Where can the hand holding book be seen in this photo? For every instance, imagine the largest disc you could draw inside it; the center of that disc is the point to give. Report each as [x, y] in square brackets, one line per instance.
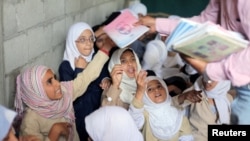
[122, 30]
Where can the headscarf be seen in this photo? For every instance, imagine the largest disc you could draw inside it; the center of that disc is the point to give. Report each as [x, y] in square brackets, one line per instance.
[128, 85]
[6, 119]
[71, 52]
[164, 119]
[30, 91]
[219, 94]
[154, 57]
[112, 123]
[138, 8]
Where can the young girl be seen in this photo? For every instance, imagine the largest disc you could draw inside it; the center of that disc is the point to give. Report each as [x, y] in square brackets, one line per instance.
[123, 66]
[50, 102]
[80, 45]
[154, 115]
[211, 106]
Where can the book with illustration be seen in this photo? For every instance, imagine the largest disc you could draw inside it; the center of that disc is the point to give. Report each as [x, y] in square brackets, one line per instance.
[122, 30]
[206, 41]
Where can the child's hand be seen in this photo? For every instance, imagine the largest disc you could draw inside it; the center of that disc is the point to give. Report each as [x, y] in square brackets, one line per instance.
[147, 21]
[116, 75]
[105, 84]
[60, 129]
[141, 84]
[193, 96]
[80, 62]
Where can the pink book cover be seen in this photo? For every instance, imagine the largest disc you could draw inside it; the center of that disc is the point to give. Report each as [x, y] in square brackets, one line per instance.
[122, 31]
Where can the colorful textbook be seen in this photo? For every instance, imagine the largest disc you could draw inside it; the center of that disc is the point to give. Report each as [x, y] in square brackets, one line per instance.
[206, 41]
[122, 31]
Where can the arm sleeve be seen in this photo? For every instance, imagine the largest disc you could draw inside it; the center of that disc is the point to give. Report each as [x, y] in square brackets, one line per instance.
[210, 13]
[136, 111]
[235, 68]
[90, 73]
[111, 96]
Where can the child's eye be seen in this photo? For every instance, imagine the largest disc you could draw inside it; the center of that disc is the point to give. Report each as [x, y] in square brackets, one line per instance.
[149, 89]
[159, 86]
[49, 81]
[123, 61]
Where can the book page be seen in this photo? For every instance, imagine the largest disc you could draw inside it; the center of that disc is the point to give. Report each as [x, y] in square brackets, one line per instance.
[122, 31]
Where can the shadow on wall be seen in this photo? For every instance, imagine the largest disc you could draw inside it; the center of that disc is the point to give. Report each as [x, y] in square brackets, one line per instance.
[184, 8]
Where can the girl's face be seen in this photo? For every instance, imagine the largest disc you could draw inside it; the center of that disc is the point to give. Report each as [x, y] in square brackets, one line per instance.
[51, 86]
[156, 92]
[128, 62]
[85, 42]
[103, 39]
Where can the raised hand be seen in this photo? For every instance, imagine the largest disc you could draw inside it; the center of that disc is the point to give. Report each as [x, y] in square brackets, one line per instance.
[192, 96]
[147, 21]
[116, 75]
[80, 62]
[141, 84]
[105, 83]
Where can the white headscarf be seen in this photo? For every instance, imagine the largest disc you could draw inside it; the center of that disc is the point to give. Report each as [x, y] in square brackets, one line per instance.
[139, 8]
[71, 52]
[164, 119]
[128, 85]
[112, 123]
[219, 94]
[154, 57]
[6, 119]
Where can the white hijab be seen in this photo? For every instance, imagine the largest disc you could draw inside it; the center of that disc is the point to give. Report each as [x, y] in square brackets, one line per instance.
[139, 8]
[6, 119]
[71, 52]
[219, 94]
[112, 123]
[154, 56]
[165, 120]
[128, 85]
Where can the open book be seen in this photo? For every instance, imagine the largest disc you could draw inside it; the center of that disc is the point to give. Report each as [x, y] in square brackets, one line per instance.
[206, 41]
[122, 31]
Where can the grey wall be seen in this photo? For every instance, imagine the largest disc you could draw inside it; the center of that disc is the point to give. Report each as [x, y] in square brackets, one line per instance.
[34, 32]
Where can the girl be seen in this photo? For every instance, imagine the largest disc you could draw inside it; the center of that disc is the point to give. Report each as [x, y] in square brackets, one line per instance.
[154, 115]
[80, 46]
[50, 102]
[123, 67]
[211, 106]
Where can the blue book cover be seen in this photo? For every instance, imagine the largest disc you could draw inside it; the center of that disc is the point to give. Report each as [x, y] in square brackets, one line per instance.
[183, 26]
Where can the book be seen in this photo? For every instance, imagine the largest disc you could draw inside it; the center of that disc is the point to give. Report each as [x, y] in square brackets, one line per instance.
[122, 31]
[206, 41]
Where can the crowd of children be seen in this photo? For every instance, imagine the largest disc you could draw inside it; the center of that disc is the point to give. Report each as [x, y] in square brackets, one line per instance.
[142, 92]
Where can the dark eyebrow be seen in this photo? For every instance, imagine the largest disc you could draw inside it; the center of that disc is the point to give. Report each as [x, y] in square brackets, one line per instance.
[49, 80]
[100, 35]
